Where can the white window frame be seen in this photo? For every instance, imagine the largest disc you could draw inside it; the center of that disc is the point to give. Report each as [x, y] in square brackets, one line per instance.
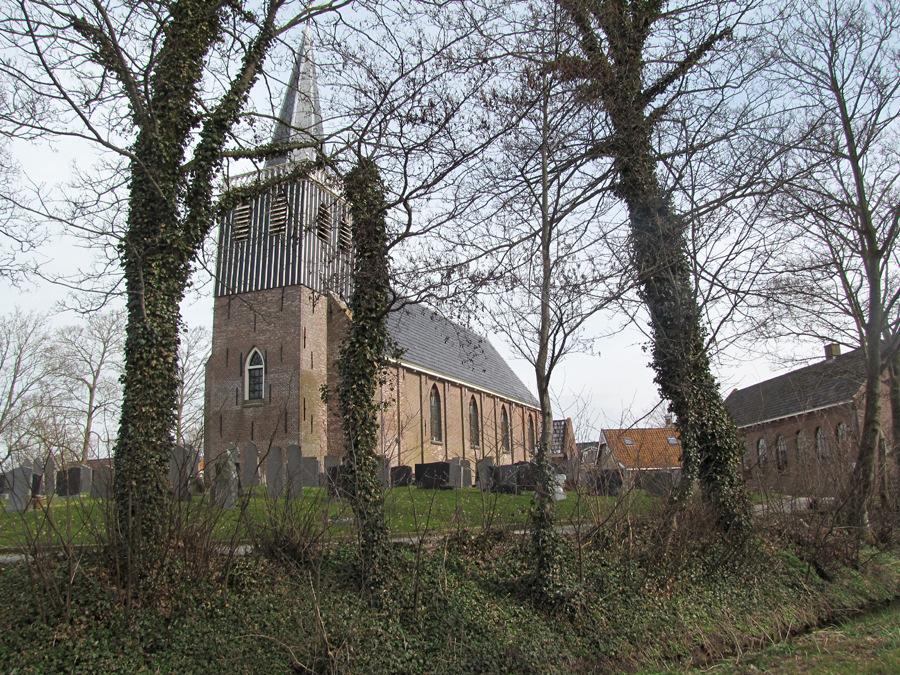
[248, 368]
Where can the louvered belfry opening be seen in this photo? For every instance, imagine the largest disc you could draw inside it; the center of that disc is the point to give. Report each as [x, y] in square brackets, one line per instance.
[241, 218]
[278, 213]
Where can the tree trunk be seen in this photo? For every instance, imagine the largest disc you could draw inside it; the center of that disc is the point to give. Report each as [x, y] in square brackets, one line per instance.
[711, 447]
[360, 365]
[894, 371]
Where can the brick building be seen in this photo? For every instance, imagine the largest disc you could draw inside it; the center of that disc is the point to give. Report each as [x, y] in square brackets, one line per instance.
[280, 314]
[801, 429]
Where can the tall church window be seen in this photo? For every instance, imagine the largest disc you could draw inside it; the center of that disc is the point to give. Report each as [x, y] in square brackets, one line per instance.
[762, 451]
[821, 443]
[474, 424]
[531, 443]
[345, 234]
[781, 453]
[278, 213]
[240, 220]
[505, 436]
[323, 223]
[437, 430]
[255, 379]
[842, 435]
[802, 447]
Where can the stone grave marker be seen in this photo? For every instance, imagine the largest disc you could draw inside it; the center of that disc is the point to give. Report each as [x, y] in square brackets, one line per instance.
[433, 475]
[484, 473]
[504, 478]
[309, 471]
[460, 473]
[50, 476]
[401, 476]
[183, 463]
[249, 477]
[18, 488]
[78, 480]
[275, 482]
[225, 481]
[295, 472]
[102, 482]
[384, 471]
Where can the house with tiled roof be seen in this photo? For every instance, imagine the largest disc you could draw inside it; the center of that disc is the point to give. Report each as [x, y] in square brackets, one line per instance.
[280, 315]
[644, 457]
[801, 429]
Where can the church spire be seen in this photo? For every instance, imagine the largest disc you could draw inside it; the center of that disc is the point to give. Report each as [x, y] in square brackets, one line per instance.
[300, 119]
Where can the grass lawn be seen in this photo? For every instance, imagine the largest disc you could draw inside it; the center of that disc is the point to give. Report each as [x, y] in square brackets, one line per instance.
[870, 644]
[409, 511]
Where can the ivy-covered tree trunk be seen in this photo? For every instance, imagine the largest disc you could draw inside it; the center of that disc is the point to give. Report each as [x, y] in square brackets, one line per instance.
[613, 35]
[360, 366]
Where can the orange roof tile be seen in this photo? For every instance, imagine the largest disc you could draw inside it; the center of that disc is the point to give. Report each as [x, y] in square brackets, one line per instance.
[645, 448]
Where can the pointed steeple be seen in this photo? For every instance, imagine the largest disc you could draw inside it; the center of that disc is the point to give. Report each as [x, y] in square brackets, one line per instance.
[300, 119]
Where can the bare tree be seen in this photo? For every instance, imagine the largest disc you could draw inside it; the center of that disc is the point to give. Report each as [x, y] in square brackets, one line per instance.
[193, 351]
[160, 89]
[836, 70]
[24, 373]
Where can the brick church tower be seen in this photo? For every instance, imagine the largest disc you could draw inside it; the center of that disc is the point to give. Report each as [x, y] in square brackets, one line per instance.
[282, 278]
[281, 255]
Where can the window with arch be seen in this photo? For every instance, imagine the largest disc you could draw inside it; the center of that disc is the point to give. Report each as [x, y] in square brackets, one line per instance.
[802, 446]
[842, 435]
[781, 453]
[762, 451]
[474, 424]
[437, 427]
[821, 443]
[255, 377]
[505, 435]
[531, 440]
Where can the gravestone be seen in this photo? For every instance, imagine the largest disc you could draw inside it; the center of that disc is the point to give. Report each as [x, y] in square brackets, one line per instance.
[183, 464]
[329, 461]
[559, 489]
[526, 477]
[225, 480]
[18, 488]
[384, 471]
[433, 475]
[298, 472]
[401, 476]
[484, 473]
[275, 483]
[78, 480]
[102, 482]
[249, 463]
[460, 473]
[504, 478]
[50, 476]
[62, 483]
[37, 484]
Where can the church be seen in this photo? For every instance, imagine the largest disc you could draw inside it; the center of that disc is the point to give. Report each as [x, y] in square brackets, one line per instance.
[280, 313]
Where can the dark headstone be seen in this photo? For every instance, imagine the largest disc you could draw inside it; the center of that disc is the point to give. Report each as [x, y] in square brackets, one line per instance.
[50, 476]
[484, 472]
[102, 483]
[337, 479]
[183, 466]
[295, 472]
[309, 471]
[504, 478]
[275, 483]
[433, 475]
[526, 478]
[37, 484]
[401, 476]
[62, 483]
[249, 463]
[78, 480]
[18, 488]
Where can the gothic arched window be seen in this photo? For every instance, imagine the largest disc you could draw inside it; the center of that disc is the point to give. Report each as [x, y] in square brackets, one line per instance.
[437, 431]
[531, 442]
[505, 435]
[762, 451]
[255, 377]
[474, 424]
[821, 443]
[781, 453]
[842, 435]
[801, 443]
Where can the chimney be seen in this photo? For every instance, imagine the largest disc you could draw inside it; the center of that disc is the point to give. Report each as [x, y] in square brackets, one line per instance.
[832, 350]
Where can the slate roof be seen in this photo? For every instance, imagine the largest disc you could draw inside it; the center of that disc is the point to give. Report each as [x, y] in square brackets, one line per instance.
[634, 448]
[428, 340]
[819, 385]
